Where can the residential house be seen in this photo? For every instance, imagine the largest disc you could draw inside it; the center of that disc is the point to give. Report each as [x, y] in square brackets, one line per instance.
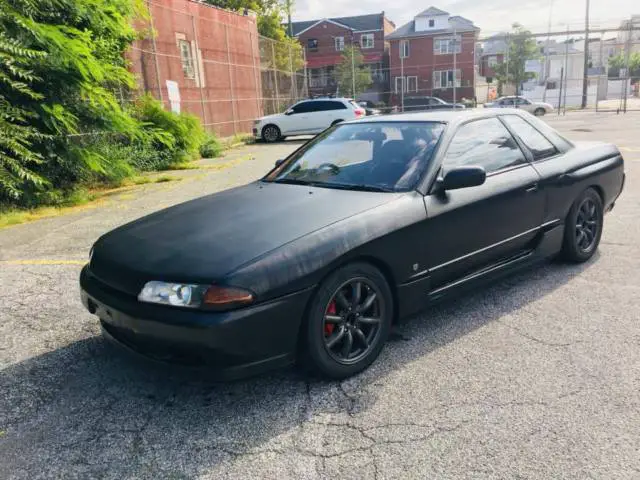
[324, 42]
[630, 32]
[493, 53]
[600, 51]
[431, 54]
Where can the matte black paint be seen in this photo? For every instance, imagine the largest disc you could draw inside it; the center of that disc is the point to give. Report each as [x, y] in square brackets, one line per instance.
[279, 241]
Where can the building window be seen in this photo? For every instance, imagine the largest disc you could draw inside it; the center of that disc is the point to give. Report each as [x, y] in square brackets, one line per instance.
[492, 61]
[186, 57]
[366, 40]
[409, 84]
[339, 42]
[432, 23]
[404, 48]
[312, 44]
[444, 78]
[445, 46]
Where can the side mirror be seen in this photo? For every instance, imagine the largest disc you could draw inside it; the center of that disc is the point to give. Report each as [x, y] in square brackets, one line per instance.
[289, 112]
[279, 162]
[463, 177]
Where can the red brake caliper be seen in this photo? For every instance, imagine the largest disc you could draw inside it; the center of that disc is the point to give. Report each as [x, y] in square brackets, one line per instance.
[328, 327]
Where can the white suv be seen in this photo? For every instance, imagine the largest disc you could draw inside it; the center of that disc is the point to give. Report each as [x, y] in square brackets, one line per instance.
[308, 117]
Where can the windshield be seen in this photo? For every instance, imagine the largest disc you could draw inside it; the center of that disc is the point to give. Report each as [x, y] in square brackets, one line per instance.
[384, 156]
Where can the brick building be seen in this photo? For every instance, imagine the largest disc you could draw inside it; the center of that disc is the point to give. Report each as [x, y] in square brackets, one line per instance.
[207, 57]
[324, 41]
[493, 53]
[422, 60]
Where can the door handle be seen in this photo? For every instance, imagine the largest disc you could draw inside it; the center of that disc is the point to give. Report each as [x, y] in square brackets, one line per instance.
[532, 188]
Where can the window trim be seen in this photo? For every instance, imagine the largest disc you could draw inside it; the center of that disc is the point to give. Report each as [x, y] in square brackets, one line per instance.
[336, 41]
[187, 59]
[506, 169]
[371, 36]
[458, 79]
[523, 146]
[458, 41]
[402, 50]
[314, 49]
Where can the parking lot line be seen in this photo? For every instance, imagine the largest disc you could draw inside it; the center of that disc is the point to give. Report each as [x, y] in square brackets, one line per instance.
[43, 262]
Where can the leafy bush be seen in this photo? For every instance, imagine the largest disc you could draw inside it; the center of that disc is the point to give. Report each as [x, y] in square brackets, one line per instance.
[178, 137]
[60, 63]
[210, 147]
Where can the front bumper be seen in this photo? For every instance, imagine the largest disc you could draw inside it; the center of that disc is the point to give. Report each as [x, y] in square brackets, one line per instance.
[228, 344]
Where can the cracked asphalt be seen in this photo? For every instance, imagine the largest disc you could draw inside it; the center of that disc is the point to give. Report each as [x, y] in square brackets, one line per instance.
[537, 376]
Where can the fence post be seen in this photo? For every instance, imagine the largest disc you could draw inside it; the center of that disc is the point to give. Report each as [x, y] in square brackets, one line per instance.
[233, 103]
[256, 77]
[275, 78]
[198, 57]
[155, 53]
[294, 82]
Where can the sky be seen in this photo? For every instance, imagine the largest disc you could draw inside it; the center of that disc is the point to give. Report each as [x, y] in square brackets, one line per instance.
[491, 16]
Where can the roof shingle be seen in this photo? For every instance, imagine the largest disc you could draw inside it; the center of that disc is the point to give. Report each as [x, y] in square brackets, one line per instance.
[372, 21]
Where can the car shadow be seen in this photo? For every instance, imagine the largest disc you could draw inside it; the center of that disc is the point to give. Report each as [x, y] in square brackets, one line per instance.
[87, 410]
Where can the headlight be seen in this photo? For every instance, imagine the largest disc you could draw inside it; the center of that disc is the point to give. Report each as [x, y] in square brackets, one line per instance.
[194, 296]
[257, 122]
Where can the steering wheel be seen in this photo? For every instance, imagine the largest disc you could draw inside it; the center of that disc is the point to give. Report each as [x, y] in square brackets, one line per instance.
[332, 167]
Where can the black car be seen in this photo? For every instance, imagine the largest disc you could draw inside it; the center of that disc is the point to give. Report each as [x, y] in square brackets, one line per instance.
[366, 224]
[414, 104]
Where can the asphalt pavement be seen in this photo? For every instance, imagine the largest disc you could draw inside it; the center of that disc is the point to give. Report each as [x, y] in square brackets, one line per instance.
[537, 376]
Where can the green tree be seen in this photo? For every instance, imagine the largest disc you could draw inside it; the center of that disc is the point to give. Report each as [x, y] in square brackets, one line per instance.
[61, 62]
[620, 61]
[521, 47]
[352, 68]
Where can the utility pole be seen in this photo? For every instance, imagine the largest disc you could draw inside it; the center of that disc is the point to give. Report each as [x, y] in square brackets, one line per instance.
[455, 56]
[401, 44]
[586, 57]
[289, 17]
[353, 66]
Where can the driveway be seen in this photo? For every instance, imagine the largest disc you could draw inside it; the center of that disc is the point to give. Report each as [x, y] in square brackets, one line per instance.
[537, 376]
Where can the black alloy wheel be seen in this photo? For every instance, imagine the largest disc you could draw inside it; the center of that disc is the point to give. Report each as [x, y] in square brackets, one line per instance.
[349, 321]
[271, 134]
[583, 228]
[587, 225]
[352, 320]
[539, 112]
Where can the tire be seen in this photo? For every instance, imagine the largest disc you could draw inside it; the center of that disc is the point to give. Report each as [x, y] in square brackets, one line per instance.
[271, 133]
[323, 344]
[539, 112]
[583, 228]
[335, 122]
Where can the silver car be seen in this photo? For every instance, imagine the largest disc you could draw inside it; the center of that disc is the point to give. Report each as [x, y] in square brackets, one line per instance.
[537, 108]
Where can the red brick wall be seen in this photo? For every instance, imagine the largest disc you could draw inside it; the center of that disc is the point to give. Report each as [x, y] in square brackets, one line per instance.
[230, 98]
[422, 62]
[487, 71]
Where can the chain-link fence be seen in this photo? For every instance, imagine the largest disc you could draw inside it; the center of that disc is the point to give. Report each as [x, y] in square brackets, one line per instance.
[212, 63]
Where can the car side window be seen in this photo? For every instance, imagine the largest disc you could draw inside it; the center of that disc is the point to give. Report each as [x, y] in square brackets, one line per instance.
[485, 143]
[522, 101]
[536, 142]
[336, 106]
[303, 107]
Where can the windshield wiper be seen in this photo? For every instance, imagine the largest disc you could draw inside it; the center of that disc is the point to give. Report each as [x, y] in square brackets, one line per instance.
[292, 181]
[361, 187]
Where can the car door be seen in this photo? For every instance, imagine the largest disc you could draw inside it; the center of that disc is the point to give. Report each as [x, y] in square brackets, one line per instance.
[524, 104]
[296, 119]
[472, 228]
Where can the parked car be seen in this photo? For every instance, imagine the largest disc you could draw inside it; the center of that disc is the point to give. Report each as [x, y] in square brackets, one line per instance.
[429, 103]
[537, 108]
[370, 108]
[308, 117]
[368, 223]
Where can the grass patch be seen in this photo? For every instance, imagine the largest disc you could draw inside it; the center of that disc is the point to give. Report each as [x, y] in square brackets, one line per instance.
[144, 180]
[18, 216]
[179, 166]
[237, 140]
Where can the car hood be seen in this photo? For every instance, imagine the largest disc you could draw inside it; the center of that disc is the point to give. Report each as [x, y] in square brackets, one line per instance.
[270, 117]
[202, 240]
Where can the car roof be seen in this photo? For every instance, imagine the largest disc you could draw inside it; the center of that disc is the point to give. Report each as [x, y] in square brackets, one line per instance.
[324, 99]
[442, 116]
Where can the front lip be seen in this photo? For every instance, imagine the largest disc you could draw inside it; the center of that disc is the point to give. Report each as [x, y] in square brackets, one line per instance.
[227, 345]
